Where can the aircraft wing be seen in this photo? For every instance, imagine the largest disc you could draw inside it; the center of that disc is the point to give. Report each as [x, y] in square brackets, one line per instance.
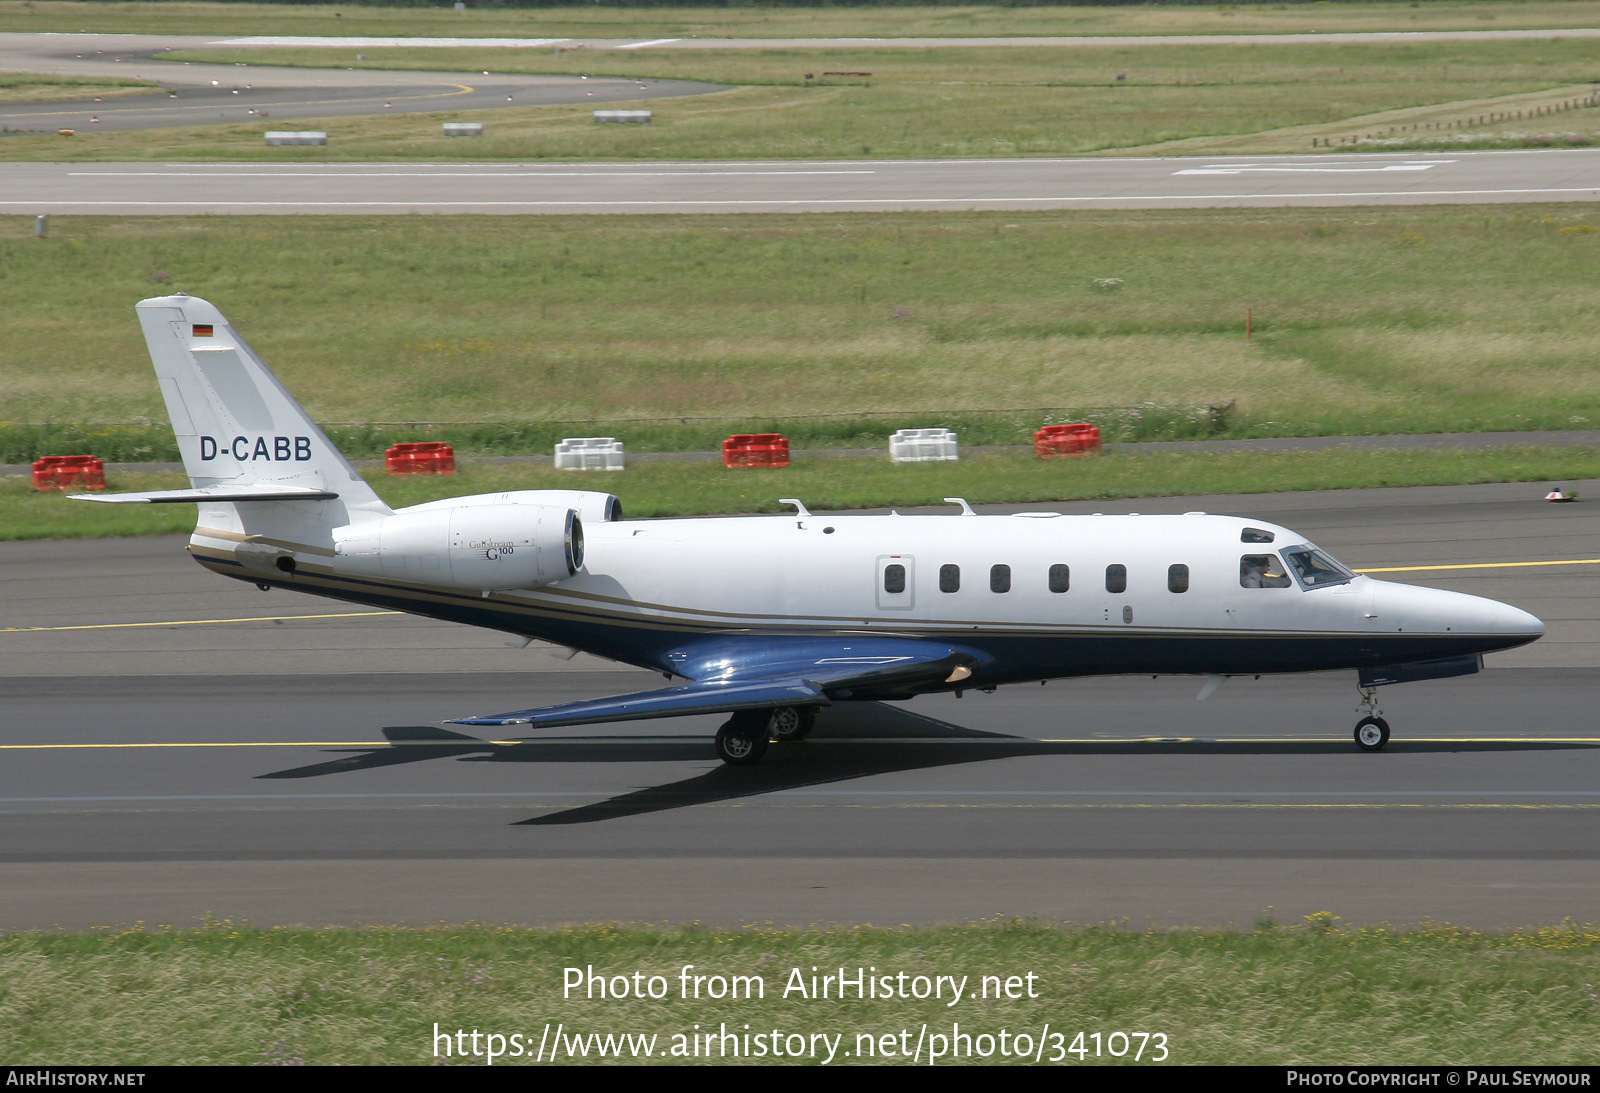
[711, 697]
[748, 674]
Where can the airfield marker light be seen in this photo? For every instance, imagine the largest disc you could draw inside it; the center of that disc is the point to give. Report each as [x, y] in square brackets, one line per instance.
[38, 226]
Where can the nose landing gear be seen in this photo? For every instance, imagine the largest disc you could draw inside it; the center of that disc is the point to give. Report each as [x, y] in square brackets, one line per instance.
[1372, 731]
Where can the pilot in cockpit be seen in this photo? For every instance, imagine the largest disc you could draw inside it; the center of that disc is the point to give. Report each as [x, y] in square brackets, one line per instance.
[1261, 571]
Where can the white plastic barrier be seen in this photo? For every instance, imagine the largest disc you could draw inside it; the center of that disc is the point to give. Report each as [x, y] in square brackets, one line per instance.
[922, 445]
[307, 137]
[622, 115]
[589, 453]
[463, 128]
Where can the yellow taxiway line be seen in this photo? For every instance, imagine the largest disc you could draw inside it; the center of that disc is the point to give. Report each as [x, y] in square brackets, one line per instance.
[195, 622]
[1479, 565]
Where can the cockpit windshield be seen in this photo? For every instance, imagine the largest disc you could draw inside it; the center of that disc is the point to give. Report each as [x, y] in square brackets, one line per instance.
[1314, 568]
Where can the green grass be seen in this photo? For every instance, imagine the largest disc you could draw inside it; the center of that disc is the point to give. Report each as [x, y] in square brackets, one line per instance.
[950, 102]
[1437, 319]
[686, 489]
[1318, 992]
[754, 20]
[31, 87]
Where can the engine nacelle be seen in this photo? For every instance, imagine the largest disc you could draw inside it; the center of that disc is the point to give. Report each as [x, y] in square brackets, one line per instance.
[481, 548]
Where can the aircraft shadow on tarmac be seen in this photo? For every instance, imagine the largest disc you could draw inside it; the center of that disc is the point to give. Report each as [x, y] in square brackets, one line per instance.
[849, 742]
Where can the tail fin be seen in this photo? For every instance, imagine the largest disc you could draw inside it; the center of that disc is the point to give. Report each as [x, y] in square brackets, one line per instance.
[236, 424]
[243, 437]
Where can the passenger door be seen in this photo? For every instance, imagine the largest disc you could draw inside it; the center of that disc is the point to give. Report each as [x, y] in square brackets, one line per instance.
[896, 582]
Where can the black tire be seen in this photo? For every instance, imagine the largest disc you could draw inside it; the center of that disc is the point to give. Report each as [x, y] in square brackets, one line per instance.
[740, 745]
[1372, 733]
[790, 723]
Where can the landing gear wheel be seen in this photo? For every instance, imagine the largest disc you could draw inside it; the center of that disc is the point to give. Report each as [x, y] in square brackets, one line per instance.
[739, 744]
[791, 723]
[1372, 733]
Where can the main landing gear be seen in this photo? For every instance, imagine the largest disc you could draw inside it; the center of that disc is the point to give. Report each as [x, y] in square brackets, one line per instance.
[744, 737]
[1372, 731]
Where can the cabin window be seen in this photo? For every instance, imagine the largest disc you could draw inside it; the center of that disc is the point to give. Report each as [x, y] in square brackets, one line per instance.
[949, 578]
[894, 578]
[999, 578]
[1116, 578]
[1256, 535]
[1262, 571]
[1177, 578]
[1060, 578]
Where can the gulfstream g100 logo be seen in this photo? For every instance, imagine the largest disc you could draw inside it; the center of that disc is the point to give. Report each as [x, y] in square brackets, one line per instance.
[492, 551]
[276, 449]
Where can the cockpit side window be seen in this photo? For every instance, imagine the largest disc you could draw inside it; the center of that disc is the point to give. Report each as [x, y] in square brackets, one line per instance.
[1314, 568]
[1256, 535]
[1262, 571]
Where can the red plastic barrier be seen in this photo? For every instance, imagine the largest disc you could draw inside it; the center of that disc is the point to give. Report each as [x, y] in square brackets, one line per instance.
[69, 472]
[1066, 441]
[756, 450]
[425, 457]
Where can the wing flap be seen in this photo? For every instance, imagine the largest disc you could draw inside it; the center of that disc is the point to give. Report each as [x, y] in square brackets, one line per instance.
[713, 696]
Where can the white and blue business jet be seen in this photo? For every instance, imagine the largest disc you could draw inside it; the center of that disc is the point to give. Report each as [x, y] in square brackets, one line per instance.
[770, 618]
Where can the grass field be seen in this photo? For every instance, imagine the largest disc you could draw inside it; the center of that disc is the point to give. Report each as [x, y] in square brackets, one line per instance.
[26, 87]
[1435, 319]
[759, 22]
[1316, 992]
[918, 103]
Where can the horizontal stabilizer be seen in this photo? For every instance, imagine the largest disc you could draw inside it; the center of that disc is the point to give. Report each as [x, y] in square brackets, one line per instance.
[260, 492]
[712, 696]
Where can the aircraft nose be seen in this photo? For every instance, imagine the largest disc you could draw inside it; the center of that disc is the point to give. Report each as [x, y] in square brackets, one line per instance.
[1514, 621]
[1433, 610]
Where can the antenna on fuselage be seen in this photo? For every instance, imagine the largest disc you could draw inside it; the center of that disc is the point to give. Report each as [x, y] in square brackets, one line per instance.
[966, 509]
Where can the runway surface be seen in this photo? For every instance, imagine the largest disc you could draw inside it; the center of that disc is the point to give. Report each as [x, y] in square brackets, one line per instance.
[202, 766]
[123, 189]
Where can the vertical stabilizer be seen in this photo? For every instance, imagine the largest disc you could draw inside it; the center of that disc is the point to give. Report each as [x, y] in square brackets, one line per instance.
[237, 426]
